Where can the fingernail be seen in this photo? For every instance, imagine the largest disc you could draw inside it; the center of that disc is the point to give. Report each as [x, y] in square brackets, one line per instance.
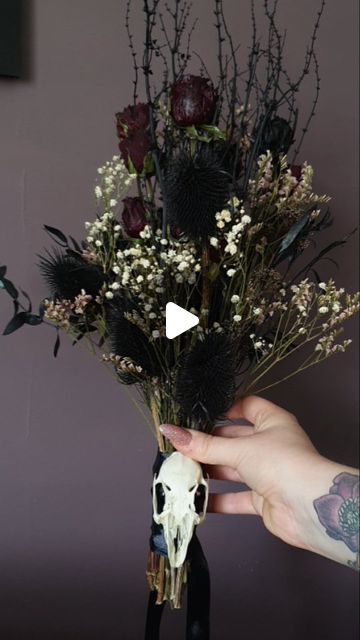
[177, 435]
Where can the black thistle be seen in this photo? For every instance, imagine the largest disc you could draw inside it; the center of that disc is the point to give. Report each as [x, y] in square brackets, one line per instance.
[195, 189]
[67, 275]
[127, 340]
[205, 384]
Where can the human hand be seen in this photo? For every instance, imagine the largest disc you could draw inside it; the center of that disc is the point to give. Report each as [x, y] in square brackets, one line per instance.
[283, 472]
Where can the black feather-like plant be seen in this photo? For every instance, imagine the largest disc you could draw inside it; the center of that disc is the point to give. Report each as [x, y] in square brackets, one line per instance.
[67, 275]
[127, 340]
[196, 187]
[206, 379]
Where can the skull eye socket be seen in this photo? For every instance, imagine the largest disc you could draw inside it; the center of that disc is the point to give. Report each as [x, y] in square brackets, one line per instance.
[160, 497]
[199, 501]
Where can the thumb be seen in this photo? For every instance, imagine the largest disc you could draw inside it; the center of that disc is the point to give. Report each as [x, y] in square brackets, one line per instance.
[202, 446]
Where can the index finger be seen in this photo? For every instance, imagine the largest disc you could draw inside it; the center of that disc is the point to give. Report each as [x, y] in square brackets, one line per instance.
[258, 411]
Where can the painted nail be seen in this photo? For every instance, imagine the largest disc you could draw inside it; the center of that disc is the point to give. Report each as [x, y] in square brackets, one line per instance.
[177, 435]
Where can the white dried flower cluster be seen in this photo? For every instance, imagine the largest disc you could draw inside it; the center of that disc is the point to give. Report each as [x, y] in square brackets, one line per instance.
[59, 311]
[144, 267]
[310, 311]
[105, 224]
[302, 297]
[260, 344]
[306, 301]
[231, 223]
[281, 189]
[114, 184]
[122, 365]
[115, 181]
[327, 347]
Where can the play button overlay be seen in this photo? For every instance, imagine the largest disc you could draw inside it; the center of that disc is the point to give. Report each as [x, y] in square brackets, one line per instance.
[178, 320]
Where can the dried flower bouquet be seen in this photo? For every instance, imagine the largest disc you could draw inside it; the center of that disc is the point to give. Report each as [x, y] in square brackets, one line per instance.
[219, 215]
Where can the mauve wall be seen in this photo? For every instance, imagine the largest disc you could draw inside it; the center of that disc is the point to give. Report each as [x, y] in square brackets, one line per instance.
[75, 456]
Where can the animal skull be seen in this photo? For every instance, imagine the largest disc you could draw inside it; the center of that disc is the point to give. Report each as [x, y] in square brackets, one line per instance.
[180, 496]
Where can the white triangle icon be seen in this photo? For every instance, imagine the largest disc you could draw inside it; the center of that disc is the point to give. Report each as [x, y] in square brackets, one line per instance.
[178, 320]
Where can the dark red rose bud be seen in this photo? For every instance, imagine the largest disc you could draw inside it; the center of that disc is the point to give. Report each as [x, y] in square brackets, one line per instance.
[134, 149]
[176, 232]
[133, 216]
[133, 119]
[277, 136]
[133, 131]
[193, 101]
[296, 170]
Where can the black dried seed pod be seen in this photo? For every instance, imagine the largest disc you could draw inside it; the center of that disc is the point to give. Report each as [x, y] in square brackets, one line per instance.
[205, 384]
[195, 189]
[128, 340]
[67, 275]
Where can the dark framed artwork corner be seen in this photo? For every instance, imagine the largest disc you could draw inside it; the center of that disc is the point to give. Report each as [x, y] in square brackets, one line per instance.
[11, 38]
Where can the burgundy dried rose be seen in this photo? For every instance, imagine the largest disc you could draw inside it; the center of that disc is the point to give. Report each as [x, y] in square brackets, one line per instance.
[133, 216]
[338, 511]
[133, 131]
[134, 150]
[193, 101]
[176, 232]
[133, 119]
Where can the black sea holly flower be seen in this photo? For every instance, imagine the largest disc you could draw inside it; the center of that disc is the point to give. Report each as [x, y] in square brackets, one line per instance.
[193, 101]
[133, 216]
[127, 340]
[195, 189]
[205, 383]
[67, 275]
[277, 136]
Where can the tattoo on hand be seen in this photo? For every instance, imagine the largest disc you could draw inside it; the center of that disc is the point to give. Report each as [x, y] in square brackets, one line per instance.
[338, 512]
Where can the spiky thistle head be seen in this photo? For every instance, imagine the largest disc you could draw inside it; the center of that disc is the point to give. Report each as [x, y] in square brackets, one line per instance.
[127, 340]
[196, 188]
[206, 378]
[67, 275]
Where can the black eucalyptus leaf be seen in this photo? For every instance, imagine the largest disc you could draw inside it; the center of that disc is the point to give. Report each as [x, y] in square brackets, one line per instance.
[32, 319]
[15, 323]
[56, 345]
[57, 235]
[317, 277]
[28, 299]
[322, 255]
[75, 244]
[10, 288]
[294, 232]
[325, 221]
